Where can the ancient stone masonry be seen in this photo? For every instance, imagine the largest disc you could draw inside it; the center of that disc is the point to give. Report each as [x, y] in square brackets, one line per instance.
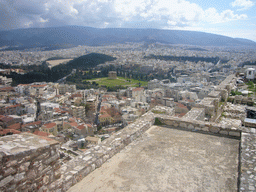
[234, 111]
[28, 162]
[163, 110]
[248, 160]
[195, 125]
[195, 114]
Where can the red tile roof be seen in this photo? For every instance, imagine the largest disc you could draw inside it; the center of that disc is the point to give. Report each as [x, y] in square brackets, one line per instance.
[15, 126]
[88, 125]
[6, 119]
[13, 106]
[104, 115]
[23, 84]
[5, 131]
[138, 89]
[41, 133]
[49, 125]
[40, 86]
[81, 127]
[33, 123]
[73, 124]
[180, 105]
[5, 89]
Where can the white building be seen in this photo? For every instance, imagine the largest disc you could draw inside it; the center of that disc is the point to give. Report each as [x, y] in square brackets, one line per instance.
[250, 73]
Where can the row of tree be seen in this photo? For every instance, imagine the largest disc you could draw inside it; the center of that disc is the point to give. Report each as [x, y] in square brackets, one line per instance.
[214, 60]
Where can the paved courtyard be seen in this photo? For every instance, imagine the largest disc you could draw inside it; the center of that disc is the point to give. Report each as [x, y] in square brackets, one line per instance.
[167, 159]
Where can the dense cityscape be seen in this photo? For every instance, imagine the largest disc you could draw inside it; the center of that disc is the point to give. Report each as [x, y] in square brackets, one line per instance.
[95, 99]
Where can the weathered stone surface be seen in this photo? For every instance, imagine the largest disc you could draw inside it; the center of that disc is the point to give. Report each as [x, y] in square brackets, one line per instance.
[18, 177]
[214, 129]
[6, 180]
[234, 133]
[46, 180]
[23, 168]
[205, 129]
[183, 125]
[52, 158]
[190, 126]
[248, 162]
[11, 163]
[9, 171]
[223, 132]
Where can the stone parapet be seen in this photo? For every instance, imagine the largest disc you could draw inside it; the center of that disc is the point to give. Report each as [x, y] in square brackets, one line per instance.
[28, 162]
[248, 160]
[202, 126]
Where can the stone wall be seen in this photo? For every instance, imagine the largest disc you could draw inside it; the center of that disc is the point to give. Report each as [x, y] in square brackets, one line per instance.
[247, 160]
[28, 162]
[202, 126]
[195, 114]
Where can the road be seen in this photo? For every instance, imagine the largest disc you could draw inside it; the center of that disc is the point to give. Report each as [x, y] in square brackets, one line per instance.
[63, 79]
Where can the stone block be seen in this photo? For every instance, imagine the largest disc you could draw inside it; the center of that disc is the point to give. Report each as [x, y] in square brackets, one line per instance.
[12, 163]
[214, 129]
[205, 129]
[18, 177]
[31, 174]
[24, 167]
[183, 125]
[46, 180]
[9, 171]
[51, 159]
[43, 156]
[190, 126]
[6, 180]
[234, 133]
[223, 132]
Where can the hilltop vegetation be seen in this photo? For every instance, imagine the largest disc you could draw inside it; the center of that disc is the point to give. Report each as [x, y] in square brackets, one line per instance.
[186, 58]
[43, 73]
[89, 61]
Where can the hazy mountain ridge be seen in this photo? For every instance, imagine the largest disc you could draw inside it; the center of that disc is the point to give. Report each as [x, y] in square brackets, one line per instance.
[77, 35]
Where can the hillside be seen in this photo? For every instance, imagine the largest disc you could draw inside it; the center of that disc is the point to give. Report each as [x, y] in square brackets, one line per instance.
[89, 61]
[43, 73]
[68, 36]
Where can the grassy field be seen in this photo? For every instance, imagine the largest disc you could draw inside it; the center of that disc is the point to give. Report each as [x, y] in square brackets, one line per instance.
[119, 81]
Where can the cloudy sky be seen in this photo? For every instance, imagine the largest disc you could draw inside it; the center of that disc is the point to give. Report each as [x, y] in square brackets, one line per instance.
[234, 18]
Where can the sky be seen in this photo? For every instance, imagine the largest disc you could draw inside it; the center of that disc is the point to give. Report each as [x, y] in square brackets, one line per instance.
[233, 18]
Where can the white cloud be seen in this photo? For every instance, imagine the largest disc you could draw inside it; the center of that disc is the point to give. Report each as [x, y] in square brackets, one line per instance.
[243, 4]
[212, 16]
[110, 13]
[41, 20]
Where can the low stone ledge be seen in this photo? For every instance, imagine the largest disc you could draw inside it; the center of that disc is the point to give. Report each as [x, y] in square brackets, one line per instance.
[248, 162]
[196, 125]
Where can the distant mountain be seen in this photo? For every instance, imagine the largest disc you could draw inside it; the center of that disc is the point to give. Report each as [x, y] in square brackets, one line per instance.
[68, 36]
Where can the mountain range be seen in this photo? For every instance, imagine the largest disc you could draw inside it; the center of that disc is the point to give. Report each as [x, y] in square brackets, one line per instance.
[69, 36]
